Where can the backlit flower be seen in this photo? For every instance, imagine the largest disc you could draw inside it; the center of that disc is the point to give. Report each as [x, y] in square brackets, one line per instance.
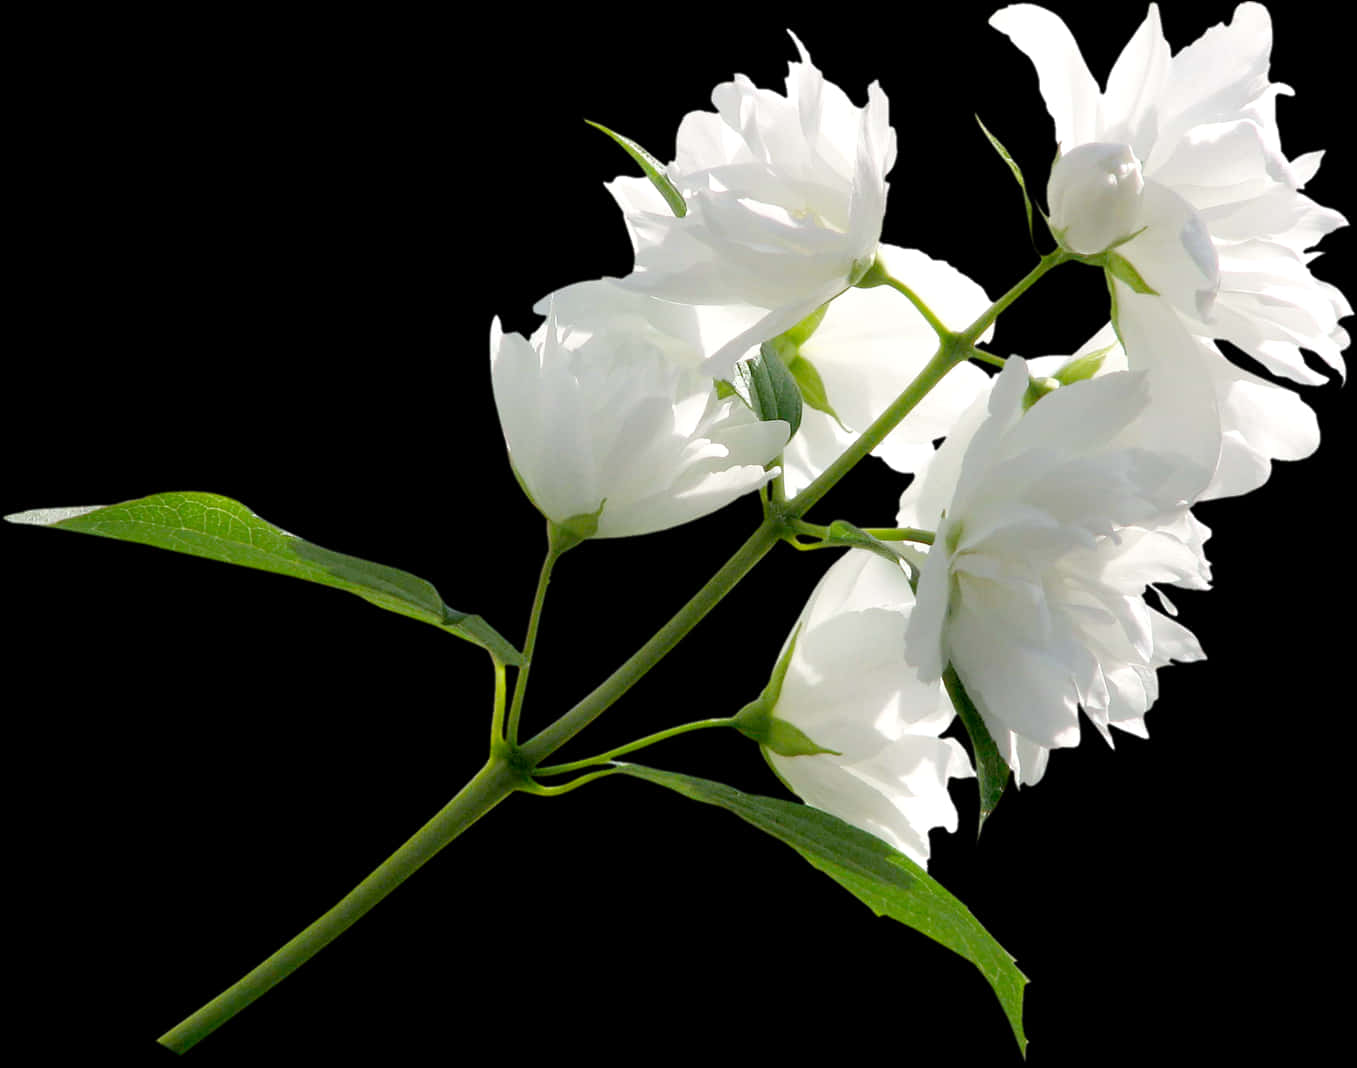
[848, 688]
[1223, 233]
[784, 201]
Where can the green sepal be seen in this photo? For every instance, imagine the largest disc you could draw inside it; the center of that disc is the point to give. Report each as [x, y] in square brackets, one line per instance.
[570, 532]
[991, 769]
[767, 386]
[1081, 368]
[1036, 389]
[218, 528]
[724, 389]
[756, 720]
[812, 387]
[885, 880]
[653, 168]
[1120, 268]
[1007, 157]
[841, 532]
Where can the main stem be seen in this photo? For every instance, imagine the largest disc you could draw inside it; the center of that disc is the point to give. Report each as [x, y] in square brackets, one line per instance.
[508, 766]
[491, 785]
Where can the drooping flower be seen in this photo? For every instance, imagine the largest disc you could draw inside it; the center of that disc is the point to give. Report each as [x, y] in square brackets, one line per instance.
[848, 688]
[1219, 229]
[1049, 527]
[784, 200]
[608, 417]
[869, 346]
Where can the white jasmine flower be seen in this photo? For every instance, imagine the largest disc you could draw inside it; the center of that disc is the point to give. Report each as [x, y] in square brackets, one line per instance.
[847, 688]
[609, 417]
[1225, 233]
[867, 349]
[785, 196]
[1049, 526]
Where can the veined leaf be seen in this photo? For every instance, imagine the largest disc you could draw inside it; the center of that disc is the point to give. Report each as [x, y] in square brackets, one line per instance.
[767, 386]
[205, 524]
[653, 168]
[886, 881]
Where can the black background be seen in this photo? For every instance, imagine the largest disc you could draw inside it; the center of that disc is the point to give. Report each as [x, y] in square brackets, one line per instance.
[258, 255]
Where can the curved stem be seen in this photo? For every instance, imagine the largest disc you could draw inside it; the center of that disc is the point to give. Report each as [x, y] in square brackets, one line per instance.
[877, 275]
[971, 334]
[631, 747]
[491, 785]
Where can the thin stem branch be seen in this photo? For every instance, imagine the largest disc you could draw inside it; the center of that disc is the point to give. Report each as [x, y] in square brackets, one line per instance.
[554, 551]
[631, 747]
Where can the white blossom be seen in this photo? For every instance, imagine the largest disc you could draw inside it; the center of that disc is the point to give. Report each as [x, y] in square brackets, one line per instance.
[608, 415]
[1225, 233]
[848, 688]
[1049, 527]
[785, 196]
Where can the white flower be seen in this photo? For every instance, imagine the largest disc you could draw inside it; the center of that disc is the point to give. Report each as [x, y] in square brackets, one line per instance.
[1227, 232]
[610, 412]
[784, 196]
[869, 346]
[1055, 522]
[848, 688]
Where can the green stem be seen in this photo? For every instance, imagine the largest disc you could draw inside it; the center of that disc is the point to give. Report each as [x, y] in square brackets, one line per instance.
[754, 549]
[877, 275]
[556, 545]
[971, 334]
[491, 785]
[924, 537]
[631, 747]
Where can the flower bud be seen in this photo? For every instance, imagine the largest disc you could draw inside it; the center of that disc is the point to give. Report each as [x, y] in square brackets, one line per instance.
[1095, 197]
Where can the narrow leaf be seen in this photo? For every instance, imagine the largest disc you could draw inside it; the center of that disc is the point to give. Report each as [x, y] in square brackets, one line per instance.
[1017, 173]
[654, 170]
[218, 528]
[886, 881]
[812, 386]
[991, 770]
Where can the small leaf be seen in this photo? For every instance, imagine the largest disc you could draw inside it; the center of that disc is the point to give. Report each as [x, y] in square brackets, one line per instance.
[1080, 368]
[767, 386]
[1119, 267]
[1017, 173]
[990, 768]
[886, 881]
[218, 528]
[654, 170]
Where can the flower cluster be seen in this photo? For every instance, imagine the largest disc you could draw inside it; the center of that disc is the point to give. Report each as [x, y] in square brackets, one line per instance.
[1063, 487]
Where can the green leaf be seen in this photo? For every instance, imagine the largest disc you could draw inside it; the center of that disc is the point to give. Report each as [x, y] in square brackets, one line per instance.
[886, 881]
[205, 524]
[990, 767]
[1119, 267]
[767, 386]
[654, 170]
[1080, 368]
[1017, 173]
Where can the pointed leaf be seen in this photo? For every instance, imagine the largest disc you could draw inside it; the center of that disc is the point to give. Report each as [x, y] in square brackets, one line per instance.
[990, 768]
[812, 387]
[1017, 173]
[205, 524]
[654, 170]
[886, 881]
